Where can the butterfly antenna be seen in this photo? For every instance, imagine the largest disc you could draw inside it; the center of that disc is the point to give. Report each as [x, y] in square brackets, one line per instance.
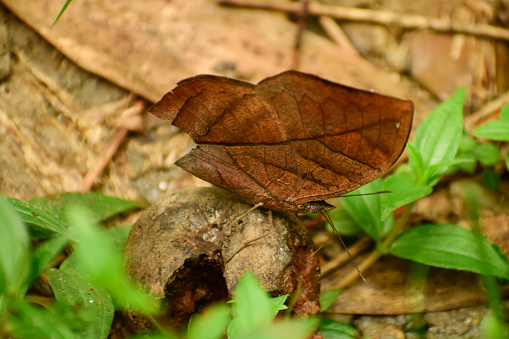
[329, 220]
[360, 195]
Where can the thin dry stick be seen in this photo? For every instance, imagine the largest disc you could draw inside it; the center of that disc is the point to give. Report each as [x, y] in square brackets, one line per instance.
[375, 255]
[406, 21]
[329, 220]
[301, 27]
[335, 32]
[118, 136]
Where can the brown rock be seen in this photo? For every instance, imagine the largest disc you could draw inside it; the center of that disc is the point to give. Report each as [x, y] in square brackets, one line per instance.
[190, 249]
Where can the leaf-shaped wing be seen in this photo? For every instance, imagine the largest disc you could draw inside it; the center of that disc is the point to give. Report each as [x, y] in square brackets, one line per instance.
[291, 139]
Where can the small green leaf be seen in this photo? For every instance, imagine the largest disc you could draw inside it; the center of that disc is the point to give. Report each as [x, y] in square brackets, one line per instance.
[493, 327]
[251, 309]
[437, 138]
[46, 216]
[366, 210]
[119, 236]
[450, 246]
[467, 144]
[496, 130]
[67, 2]
[434, 173]
[54, 321]
[403, 191]
[415, 162]
[211, 324]
[102, 206]
[331, 329]
[74, 290]
[468, 164]
[14, 251]
[116, 235]
[278, 304]
[507, 160]
[328, 298]
[487, 153]
[45, 252]
[491, 179]
[98, 258]
[504, 113]
[42, 223]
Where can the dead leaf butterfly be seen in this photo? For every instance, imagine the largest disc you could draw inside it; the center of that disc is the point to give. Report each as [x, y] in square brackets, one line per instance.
[290, 141]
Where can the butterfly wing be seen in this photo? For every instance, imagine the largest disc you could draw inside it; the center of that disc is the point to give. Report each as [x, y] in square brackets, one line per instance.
[291, 139]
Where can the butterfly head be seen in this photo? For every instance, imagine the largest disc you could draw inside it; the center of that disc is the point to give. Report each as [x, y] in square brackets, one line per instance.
[315, 206]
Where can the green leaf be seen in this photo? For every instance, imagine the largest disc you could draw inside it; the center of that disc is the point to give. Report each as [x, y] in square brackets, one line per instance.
[507, 160]
[450, 246]
[14, 252]
[116, 235]
[331, 329]
[46, 216]
[467, 144]
[437, 138]
[251, 309]
[42, 223]
[467, 164]
[98, 258]
[415, 162]
[496, 130]
[278, 304]
[55, 321]
[67, 2]
[504, 113]
[366, 210]
[491, 179]
[45, 252]
[211, 324]
[487, 153]
[493, 327]
[328, 298]
[343, 222]
[403, 191]
[434, 173]
[102, 206]
[74, 290]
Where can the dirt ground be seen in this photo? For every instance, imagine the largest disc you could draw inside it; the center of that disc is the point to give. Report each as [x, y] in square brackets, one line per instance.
[73, 102]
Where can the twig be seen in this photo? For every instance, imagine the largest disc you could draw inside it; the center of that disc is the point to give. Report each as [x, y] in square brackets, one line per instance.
[301, 27]
[355, 249]
[335, 32]
[406, 21]
[375, 255]
[472, 121]
[119, 135]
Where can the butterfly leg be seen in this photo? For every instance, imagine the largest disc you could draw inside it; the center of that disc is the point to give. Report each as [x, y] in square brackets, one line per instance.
[229, 225]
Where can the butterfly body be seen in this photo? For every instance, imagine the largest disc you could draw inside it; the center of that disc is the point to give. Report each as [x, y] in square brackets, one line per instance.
[290, 141]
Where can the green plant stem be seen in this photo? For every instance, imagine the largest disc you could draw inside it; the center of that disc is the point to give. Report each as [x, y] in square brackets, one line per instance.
[398, 227]
[157, 325]
[380, 251]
